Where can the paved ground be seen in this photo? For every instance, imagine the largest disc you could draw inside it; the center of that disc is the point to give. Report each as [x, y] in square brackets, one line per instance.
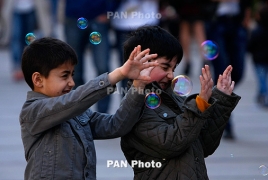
[233, 160]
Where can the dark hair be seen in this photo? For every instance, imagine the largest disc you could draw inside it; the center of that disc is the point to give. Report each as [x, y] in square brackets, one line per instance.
[43, 55]
[157, 39]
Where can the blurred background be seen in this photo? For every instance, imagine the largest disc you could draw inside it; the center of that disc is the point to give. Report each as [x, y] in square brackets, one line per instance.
[238, 32]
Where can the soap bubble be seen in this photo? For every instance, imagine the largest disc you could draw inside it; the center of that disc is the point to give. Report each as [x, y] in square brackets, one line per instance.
[182, 85]
[95, 38]
[210, 50]
[29, 38]
[263, 170]
[152, 100]
[82, 23]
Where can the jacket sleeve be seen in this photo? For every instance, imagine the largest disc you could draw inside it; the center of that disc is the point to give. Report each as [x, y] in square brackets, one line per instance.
[153, 135]
[41, 114]
[104, 126]
[212, 130]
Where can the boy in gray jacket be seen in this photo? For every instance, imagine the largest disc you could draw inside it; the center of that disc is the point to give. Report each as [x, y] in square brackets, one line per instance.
[57, 126]
[171, 141]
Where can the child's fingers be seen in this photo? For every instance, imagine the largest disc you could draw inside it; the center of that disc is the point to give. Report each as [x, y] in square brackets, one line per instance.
[205, 74]
[149, 64]
[148, 57]
[229, 79]
[138, 49]
[146, 71]
[232, 86]
[204, 83]
[211, 83]
[144, 78]
[132, 55]
[142, 54]
[201, 79]
[208, 71]
[219, 80]
[227, 71]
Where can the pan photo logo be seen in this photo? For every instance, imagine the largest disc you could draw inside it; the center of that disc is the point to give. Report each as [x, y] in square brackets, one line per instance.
[132, 15]
[140, 164]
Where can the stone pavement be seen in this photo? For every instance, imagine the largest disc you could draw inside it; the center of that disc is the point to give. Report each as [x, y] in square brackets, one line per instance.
[233, 160]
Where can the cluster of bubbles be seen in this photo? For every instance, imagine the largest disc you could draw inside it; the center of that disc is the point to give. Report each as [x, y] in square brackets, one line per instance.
[210, 50]
[94, 37]
[181, 86]
[82, 23]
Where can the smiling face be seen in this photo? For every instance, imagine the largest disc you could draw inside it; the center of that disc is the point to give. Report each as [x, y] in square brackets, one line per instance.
[59, 81]
[164, 73]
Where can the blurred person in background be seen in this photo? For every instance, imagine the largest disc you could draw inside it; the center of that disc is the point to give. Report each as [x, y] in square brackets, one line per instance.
[229, 29]
[5, 22]
[130, 15]
[20, 17]
[258, 47]
[1, 19]
[78, 39]
[169, 17]
[191, 24]
[23, 22]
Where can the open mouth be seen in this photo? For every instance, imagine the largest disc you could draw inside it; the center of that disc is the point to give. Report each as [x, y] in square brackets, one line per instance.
[66, 91]
[163, 85]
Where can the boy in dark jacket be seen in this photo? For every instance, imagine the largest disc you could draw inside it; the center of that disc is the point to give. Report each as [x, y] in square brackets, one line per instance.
[57, 126]
[171, 141]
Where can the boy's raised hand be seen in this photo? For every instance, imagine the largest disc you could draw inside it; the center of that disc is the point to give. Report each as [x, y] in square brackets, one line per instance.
[142, 83]
[225, 83]
[138, 60]
[206, 83]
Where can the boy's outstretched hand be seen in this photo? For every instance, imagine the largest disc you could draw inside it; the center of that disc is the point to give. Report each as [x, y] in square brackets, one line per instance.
[225, 83]
[138, 60]
[206, 83]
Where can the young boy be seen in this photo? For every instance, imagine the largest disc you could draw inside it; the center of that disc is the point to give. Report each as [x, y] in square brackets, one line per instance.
[171, 141]
[57, 126]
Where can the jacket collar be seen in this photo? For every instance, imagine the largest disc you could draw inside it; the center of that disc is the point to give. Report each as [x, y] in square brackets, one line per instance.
[35, 95]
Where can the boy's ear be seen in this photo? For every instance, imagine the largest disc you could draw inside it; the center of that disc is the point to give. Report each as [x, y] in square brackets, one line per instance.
[37, 79]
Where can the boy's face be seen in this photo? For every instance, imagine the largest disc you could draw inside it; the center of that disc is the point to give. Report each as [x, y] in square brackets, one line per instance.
[164, 73]
[59, 81]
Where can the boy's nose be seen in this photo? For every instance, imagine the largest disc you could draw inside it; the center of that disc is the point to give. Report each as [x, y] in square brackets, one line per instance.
[170, 75]
[71, 82]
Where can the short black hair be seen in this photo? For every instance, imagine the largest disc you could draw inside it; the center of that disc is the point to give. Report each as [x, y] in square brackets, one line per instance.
[43, 55]
[157, 39]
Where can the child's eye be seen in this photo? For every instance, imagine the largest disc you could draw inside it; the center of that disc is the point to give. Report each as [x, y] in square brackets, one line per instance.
[165, 68]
